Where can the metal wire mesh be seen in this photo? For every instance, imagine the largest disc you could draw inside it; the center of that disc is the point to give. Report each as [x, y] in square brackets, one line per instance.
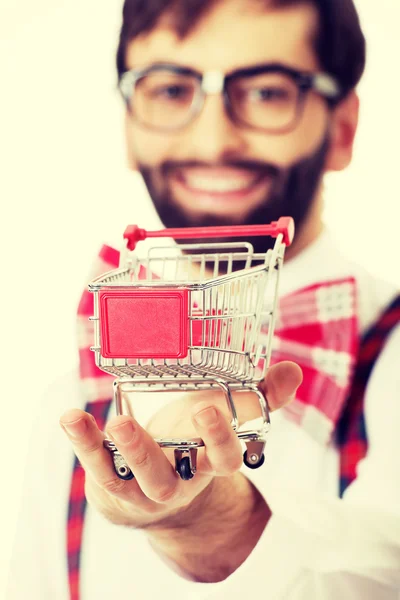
[227, 310]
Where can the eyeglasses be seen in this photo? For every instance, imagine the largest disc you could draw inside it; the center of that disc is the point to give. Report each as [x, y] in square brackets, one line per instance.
[268, 98]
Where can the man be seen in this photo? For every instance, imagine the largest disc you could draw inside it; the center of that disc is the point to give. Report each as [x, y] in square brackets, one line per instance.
[235, 110]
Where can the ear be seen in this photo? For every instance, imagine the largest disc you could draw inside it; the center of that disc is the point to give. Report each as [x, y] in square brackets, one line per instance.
[130, 154]
[343, 130]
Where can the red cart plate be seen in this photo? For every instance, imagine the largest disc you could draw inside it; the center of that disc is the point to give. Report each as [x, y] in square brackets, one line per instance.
[138, 323]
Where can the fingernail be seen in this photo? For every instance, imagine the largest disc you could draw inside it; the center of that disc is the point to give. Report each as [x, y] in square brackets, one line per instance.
[207, 417]
[75, 429]
[122, 434]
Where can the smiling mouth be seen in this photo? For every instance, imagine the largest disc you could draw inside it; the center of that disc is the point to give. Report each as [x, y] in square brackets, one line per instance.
[219, 184]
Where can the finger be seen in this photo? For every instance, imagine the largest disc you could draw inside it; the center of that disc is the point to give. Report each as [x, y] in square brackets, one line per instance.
[281, 384]
[87, 442]
[153, 471]
[223, 452]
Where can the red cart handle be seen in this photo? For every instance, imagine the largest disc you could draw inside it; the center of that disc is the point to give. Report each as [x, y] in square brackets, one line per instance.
[284, 225]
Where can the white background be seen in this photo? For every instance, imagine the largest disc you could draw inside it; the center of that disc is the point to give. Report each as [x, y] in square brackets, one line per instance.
[64, 188]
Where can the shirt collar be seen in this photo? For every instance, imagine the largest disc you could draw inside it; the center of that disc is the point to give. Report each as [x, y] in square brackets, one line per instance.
[318, 262]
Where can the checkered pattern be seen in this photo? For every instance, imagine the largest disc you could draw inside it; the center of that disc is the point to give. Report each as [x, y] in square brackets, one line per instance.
[97, 386]
[317, 328]
[77, 505]
[351, 435]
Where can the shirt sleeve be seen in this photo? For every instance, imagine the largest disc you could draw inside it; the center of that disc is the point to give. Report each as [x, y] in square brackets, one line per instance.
[320, 548]
[36, 568]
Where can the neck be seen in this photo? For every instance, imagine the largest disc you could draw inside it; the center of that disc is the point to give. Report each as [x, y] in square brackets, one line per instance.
[309, 231]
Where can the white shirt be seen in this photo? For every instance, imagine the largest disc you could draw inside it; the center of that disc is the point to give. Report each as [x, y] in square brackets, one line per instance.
[315, 546]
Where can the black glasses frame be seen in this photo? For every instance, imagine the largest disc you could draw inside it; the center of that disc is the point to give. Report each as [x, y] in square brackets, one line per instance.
[323, 84]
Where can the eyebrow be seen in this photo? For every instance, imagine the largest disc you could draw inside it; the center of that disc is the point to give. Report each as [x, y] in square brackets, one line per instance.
[245, 70]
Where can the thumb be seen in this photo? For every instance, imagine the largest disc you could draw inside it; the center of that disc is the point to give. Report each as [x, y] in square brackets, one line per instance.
[281, 383]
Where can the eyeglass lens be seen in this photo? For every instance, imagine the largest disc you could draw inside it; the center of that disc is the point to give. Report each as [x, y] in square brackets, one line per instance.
[167, 100]
[266, 101]
[164, 99]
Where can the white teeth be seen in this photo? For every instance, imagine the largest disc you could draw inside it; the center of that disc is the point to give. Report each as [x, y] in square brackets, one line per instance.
[218, 185]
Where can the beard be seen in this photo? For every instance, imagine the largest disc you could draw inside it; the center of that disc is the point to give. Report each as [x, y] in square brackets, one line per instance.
[292, 194]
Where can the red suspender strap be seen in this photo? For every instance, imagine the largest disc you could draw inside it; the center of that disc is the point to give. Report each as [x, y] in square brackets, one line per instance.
[77, 506]
[351, 431]
[108, 259]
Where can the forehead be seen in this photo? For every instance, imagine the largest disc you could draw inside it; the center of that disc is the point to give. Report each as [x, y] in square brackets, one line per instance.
[236, 33]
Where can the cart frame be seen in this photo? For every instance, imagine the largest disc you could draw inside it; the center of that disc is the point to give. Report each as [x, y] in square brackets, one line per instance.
[218, 347]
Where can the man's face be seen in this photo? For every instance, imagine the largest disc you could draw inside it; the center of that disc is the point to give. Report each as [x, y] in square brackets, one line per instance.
[214, 171]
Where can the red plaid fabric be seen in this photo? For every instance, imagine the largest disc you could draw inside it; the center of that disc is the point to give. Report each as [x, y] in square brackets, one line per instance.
[77, 505]
[97, 389]
[351, 434]
[316, 327]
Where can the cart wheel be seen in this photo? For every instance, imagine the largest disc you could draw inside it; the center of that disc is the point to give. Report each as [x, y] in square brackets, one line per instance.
[253, 465]
[120, 466]
[184, 469]
[124, 473]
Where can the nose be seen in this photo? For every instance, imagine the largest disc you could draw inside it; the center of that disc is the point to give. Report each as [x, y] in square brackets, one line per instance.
[212, 136]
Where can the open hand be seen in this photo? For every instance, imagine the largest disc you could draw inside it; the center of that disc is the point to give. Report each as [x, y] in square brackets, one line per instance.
[157, 493]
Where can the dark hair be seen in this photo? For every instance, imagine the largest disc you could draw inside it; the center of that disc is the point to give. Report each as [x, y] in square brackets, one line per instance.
[339, 44]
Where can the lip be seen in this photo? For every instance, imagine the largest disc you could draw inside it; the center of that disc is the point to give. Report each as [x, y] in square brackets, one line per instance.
[245, 195]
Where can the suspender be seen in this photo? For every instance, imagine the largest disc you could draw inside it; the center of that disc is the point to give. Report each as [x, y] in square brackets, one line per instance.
[77, 506]
[351, 435]
[351, 438]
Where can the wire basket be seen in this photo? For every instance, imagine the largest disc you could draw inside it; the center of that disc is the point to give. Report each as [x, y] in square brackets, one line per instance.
[188, 317]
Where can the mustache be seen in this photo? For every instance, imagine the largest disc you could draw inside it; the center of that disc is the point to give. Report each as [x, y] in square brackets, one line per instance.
[255, 167]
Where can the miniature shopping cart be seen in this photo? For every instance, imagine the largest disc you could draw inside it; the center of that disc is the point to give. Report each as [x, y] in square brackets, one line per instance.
[190, 317]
